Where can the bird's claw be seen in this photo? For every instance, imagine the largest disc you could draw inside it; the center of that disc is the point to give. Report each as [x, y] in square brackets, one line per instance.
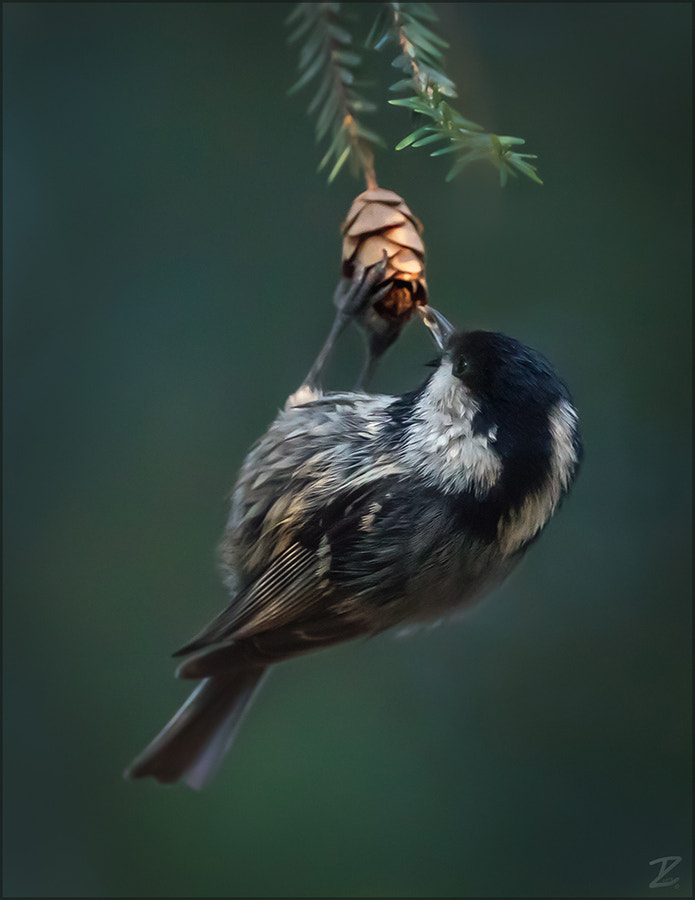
[353, 298]
[354, 292]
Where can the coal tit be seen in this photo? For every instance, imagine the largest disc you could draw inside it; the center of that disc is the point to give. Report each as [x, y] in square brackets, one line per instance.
[355, 513]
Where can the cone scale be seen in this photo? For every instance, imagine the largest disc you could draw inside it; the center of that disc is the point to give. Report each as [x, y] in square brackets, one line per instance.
[379, 221]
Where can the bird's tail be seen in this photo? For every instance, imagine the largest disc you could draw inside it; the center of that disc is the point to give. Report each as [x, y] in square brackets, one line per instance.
[193, 744]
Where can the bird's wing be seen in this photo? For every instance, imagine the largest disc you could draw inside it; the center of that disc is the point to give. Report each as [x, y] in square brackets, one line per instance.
[287, 611]
[286, 591]
[297, 586]
[342, 575]
[268, 647]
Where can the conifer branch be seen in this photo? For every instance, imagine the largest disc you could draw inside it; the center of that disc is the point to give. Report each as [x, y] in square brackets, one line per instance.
[325, 54]
[421, 60]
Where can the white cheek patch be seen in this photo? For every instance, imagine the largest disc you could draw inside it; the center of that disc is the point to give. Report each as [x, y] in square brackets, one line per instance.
[446, 450]
[563, 427]
[522, 524]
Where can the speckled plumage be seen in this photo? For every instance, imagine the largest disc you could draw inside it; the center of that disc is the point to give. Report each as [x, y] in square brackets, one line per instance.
[355, 513]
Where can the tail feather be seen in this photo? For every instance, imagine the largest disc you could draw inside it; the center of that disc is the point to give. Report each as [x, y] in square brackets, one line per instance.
[193, 744]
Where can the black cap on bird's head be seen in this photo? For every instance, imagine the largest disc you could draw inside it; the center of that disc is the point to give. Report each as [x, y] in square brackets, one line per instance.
[498, 370]
[518, 406]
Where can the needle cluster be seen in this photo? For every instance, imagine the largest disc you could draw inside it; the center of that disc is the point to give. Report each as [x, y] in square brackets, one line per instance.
[327, 54]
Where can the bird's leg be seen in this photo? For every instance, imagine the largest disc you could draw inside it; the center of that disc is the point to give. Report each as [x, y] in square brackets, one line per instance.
[352, 295]
[378, 338]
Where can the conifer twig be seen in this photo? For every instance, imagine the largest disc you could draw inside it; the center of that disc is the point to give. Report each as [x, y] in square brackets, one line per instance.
[326, 54]
[421, 60]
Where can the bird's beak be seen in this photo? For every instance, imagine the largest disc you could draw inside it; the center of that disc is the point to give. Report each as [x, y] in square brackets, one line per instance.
[442, 330]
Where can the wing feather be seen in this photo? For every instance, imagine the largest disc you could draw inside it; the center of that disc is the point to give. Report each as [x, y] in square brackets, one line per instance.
[269, 647]
[288, 590]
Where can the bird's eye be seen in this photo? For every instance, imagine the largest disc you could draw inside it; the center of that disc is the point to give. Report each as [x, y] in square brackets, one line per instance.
[460, 367]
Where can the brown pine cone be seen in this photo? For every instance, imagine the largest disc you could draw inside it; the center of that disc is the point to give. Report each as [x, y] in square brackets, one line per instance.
[379, 220]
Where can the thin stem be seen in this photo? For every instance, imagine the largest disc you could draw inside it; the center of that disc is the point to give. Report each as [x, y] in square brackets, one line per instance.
[360, 149]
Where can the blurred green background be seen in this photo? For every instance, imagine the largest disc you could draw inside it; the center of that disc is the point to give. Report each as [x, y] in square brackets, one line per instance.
[170, 256]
